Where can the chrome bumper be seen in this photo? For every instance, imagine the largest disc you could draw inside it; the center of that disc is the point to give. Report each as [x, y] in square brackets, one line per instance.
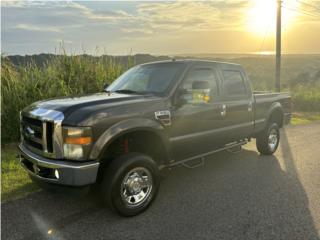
[69, 173]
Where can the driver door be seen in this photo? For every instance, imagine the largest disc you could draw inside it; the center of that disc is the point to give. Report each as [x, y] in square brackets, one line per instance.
[196, 123]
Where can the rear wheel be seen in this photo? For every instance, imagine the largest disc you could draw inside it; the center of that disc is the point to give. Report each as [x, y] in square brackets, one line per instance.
[130, 183]
[268, 140]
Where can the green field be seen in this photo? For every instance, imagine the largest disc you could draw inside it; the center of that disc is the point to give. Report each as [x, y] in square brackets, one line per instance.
[305, 118]
[15, 182]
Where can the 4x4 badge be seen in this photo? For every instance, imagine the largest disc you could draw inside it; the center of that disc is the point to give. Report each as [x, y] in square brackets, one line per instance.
[164, 117]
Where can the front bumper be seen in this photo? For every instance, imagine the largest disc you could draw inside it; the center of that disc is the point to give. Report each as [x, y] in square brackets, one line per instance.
[69, 173]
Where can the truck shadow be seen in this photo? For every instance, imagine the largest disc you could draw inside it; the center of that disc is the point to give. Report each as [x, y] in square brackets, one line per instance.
[233, 196]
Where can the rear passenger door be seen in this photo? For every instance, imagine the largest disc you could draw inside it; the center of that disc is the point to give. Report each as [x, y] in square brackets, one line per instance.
[238, 103]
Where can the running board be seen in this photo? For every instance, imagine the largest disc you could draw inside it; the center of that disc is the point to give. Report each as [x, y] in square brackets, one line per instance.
[191, 166]
[235, 150]
[202, 156]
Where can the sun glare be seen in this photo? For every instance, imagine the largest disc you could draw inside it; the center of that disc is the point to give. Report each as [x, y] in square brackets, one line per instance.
[261, 16]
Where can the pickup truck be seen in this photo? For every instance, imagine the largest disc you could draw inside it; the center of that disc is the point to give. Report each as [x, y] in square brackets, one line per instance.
[154, 116]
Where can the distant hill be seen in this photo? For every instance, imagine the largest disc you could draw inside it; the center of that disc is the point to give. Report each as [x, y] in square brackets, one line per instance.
[260, 68]
[42, 59]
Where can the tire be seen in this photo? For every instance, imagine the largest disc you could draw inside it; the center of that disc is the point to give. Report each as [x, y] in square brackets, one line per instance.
[268, 140]
[130, 183]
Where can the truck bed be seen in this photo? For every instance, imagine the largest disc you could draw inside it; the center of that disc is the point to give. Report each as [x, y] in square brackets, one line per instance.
[263, 102]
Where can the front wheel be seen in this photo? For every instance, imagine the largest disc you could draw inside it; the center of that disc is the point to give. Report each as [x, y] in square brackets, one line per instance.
[268, 140]
[130, 183]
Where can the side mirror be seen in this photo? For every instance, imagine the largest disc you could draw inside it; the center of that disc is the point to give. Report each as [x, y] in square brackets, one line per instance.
[182, 97]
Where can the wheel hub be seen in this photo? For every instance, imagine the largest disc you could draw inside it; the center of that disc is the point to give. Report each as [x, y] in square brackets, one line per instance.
[136, 186]
[273, 139]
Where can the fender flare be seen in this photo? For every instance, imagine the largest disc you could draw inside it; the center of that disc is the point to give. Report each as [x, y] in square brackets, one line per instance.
[127, 126]
[274, 107]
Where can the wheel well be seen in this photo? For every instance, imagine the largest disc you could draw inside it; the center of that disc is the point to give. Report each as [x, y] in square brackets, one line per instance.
[276, 117]
[142, 141]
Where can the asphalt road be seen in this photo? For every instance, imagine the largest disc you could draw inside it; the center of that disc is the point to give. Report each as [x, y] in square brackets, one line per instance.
[233, 196]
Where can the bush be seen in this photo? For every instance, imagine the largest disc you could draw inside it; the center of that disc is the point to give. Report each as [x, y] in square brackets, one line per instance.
[306, 99]
[60, 76]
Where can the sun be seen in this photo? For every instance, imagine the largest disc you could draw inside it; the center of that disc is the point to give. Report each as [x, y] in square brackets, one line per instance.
[261, 16]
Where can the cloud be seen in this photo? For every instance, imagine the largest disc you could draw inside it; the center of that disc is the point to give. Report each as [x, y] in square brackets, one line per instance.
[36, 28]
[104, 15]
[121, 25]
[195, 16]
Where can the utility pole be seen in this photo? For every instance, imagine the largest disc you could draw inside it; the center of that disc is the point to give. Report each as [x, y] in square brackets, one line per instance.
[278, 47]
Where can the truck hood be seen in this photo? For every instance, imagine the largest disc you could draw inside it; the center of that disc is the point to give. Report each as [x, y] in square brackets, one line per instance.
[89, 105]
[67, 104]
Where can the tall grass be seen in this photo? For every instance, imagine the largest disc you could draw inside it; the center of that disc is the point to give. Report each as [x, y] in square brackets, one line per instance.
[64, 75]
[60, 76]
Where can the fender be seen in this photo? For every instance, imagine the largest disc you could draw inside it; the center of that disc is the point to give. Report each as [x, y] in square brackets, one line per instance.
[274, 107]
[126, 126]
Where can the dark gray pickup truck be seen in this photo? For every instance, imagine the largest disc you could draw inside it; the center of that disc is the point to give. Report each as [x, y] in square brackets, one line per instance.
[154, 116]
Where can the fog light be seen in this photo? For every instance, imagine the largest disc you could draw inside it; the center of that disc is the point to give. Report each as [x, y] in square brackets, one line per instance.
[72, 151]
[56, 174]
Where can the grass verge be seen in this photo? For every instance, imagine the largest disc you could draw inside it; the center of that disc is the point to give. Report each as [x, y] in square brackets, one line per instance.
[300, 118]
[15, 182]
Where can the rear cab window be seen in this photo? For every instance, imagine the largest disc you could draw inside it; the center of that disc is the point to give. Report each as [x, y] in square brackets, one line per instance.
[234, 84]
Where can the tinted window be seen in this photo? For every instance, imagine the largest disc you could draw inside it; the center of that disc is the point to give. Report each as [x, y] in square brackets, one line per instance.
[154, 78]
[202, 84]
[233, 83]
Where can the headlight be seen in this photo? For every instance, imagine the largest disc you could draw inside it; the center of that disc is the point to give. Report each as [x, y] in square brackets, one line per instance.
[77, 141]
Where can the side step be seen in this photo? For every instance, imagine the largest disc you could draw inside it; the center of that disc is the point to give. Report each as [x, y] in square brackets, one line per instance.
[235, 145]
[189, 165]
[235, 150]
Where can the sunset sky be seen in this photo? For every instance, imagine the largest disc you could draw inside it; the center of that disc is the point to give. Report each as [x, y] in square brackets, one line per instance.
[176, 27]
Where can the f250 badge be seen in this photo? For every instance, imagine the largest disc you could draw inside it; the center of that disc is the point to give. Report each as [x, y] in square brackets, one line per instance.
[164, 117]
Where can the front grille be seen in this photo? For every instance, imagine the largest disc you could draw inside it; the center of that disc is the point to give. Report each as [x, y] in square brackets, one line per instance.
[33, 144]
[37, 134]
[49, 132]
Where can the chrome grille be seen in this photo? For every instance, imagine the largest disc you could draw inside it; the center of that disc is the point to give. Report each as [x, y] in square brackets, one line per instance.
[32, 132]
[41, 131]
[37, 134]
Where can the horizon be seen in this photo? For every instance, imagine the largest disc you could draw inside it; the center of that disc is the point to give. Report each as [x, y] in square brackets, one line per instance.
[168, 55]
[158, 28]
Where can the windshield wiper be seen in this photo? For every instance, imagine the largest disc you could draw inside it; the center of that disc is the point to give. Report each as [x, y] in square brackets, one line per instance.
[128, 91]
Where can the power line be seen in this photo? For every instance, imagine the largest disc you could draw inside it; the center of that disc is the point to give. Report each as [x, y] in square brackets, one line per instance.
[264, 38]
[308, 4]
[308, 12]
[302, 12]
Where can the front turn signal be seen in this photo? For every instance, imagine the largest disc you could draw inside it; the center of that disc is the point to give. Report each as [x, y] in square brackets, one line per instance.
[78, 140]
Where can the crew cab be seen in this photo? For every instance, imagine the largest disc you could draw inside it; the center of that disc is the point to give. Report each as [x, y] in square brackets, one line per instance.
[154, 116]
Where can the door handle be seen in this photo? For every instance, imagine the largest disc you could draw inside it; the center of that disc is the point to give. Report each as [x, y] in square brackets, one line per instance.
[223, 110]
[250, 107]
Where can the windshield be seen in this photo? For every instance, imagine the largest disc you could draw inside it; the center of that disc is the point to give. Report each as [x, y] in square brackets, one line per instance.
[153, 78]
